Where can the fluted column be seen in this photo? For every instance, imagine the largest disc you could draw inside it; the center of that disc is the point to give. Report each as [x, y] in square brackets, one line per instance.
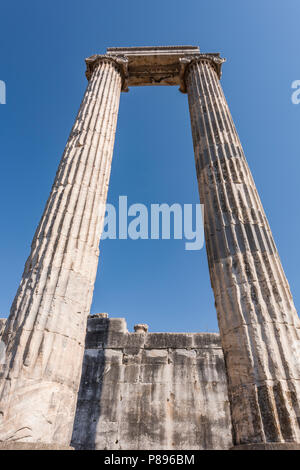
[45, 331]
[259, 326]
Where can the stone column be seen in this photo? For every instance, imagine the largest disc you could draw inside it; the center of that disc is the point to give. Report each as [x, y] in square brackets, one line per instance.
[259, 325]
[45, 331]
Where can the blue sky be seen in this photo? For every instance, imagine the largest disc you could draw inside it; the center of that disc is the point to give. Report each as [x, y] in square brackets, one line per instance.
[43, 46]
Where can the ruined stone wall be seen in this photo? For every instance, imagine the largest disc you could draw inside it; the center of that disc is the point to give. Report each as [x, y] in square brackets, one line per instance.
[151, 391]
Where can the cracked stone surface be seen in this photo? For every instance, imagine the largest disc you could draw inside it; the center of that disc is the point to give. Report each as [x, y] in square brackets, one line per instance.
[2, 325]
[259, 325]
[45, 332]
[151, 390]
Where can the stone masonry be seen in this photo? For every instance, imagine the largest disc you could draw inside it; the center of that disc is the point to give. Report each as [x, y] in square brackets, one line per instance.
[151, 390]
[259, 326]
[45, 331]
[146, 390]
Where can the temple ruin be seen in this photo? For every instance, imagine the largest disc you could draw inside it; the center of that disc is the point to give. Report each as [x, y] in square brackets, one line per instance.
[110, 389]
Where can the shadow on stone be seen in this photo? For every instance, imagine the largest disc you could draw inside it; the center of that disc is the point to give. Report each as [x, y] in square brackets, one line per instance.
[88, 409]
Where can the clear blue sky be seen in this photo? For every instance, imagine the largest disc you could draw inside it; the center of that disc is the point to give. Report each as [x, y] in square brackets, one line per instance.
[43, 46]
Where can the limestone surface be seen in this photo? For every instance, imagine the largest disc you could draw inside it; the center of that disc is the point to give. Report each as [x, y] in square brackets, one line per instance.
[143, 389]
[151, 390]
[259, 325]
[2, 325]
[45, 332]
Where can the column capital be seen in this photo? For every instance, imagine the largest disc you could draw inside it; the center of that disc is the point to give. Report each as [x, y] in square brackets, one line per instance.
[120, 62]
[188, 60]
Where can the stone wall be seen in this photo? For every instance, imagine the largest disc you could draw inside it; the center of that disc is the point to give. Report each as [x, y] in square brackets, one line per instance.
[151, 390]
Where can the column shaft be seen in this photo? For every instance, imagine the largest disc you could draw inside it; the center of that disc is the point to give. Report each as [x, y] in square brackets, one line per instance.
[259, 326]
[45, 331]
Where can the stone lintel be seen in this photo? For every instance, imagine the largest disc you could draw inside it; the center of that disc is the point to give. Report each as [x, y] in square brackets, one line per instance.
[148, 66]
[158, 66]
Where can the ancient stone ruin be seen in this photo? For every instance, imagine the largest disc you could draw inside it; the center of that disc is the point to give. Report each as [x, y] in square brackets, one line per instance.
[110, 389]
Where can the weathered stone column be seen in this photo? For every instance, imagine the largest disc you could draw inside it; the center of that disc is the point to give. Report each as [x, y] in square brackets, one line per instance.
[45, 332]
[259, 326]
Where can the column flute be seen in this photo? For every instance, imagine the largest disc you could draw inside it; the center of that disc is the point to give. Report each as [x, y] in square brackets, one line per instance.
[45, 331]
[259, 326]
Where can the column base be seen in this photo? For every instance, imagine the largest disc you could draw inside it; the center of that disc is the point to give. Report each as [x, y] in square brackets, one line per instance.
[33, 446]
[268, 446]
